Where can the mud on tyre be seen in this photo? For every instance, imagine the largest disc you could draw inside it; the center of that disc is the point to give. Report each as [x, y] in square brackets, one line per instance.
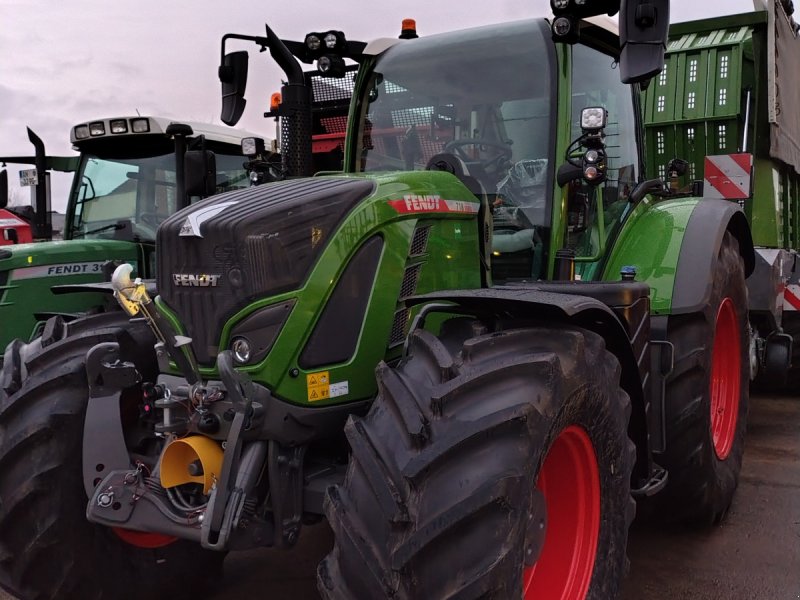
[480, 453]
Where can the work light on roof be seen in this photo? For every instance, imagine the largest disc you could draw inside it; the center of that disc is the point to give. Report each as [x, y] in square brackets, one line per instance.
[140, 125]
[580, 2]
[81, 132]
[313, 42]
[119, 126]
[331, 40]
[559, 4]
[562, 26]
[97, 128]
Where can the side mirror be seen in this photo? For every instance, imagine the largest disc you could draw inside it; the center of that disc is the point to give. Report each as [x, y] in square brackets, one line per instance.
[3, 188]
[200, 173]
[643, 28]
[233, 75]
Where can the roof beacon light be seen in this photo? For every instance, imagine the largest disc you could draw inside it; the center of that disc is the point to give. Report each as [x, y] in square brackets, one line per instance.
[408, 29]
[275, 101]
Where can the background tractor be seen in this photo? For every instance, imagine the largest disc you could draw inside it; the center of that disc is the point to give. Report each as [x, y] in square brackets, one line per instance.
[463, 350]
[128, 177]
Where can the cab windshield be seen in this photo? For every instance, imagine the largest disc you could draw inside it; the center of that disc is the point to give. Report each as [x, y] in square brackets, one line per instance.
[486, 97]
[127, 197]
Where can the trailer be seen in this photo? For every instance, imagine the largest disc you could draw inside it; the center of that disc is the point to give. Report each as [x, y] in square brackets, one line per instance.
[727, 102]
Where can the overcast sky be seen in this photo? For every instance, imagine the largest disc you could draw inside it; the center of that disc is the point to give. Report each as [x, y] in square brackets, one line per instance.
[66, 62]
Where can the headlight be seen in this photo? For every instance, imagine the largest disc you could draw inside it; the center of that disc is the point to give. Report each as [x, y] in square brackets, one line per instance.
[240, 347]
[253, 336]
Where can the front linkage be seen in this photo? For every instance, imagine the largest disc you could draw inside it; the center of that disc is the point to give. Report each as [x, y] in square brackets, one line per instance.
[203, 485]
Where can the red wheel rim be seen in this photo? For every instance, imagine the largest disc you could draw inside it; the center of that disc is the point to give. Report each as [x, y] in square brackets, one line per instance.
[142, 539]
[726, 365]
[570, 482]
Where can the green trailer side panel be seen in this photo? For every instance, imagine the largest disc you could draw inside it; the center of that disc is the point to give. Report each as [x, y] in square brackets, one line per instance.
[651, 241]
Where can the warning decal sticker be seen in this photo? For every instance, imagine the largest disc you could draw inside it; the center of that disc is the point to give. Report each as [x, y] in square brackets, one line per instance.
[319, 387]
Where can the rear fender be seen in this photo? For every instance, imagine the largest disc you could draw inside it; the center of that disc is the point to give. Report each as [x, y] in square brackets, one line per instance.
[674, 246]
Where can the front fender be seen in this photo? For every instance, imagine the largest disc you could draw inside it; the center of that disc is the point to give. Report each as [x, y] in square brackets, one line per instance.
[674, 246]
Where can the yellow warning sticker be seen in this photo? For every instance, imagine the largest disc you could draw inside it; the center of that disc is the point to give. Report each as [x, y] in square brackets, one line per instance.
[319, 387]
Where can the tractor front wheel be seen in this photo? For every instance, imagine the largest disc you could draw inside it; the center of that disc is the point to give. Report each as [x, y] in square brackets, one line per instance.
[48, 550]
[490, 465]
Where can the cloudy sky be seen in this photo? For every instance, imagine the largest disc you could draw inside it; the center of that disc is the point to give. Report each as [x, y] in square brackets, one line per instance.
[66, 62]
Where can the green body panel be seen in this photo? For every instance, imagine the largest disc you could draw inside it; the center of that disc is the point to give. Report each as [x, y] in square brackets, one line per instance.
[651, 241]
[29, 270]
[451, 261]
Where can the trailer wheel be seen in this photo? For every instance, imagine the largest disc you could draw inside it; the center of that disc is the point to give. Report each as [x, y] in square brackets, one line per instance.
[707, 398]
[47, 547]
[494, 466]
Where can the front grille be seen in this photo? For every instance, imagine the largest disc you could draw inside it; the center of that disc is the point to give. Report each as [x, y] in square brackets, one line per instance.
[264, 242]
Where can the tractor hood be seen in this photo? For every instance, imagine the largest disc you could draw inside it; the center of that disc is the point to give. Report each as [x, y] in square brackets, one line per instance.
[218, 255]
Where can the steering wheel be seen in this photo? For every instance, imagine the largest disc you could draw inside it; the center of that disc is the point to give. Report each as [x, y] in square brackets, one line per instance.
[493, 165]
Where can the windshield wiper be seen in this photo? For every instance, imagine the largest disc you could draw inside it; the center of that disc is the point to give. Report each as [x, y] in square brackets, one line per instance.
[115, 226]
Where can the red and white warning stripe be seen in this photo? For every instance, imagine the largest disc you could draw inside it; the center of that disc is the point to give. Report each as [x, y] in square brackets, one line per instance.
[728, 176]
[791, 297]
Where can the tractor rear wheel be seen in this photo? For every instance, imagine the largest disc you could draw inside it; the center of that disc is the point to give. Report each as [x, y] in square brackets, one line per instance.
[707, 397]
[489, 465]
[47, 547]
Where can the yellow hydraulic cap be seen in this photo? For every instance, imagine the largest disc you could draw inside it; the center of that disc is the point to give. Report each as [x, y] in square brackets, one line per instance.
[193, 459]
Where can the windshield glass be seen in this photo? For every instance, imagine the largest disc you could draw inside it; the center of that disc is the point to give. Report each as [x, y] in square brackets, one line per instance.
[484, 95]
[128, 198]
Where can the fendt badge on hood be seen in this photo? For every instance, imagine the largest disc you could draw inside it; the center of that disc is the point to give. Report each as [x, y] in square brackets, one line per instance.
[191, 226]
[194, 280]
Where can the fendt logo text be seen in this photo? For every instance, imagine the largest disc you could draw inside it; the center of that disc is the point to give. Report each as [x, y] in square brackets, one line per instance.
[192, 280]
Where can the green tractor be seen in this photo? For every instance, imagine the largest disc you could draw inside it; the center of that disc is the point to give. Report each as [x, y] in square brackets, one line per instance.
[460, 350]
[131, 173]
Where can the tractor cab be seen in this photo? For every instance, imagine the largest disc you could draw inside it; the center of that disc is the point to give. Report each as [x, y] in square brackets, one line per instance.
[500, 129]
